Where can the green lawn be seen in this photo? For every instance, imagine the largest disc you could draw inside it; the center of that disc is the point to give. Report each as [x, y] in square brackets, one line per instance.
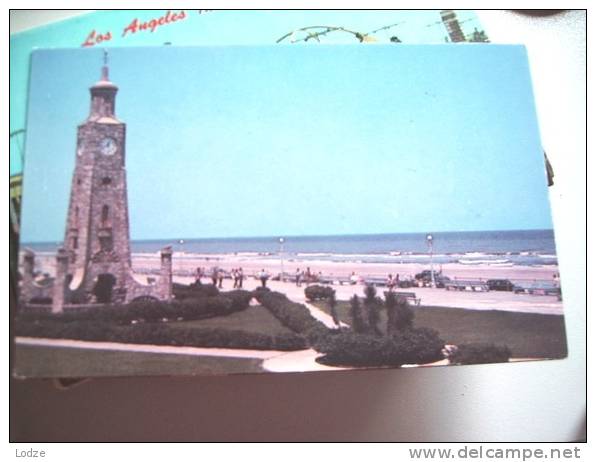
[527, 335]
[37, 361]
[255, 319]
[41, 361]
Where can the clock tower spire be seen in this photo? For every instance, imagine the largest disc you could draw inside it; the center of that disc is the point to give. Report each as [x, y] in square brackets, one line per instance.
[103, 94]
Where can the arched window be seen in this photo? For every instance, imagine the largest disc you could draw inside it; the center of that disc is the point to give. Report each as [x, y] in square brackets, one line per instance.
[76, 213]
[105, 215]
[106, 180]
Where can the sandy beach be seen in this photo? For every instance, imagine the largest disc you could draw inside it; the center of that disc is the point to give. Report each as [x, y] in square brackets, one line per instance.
[184, 267]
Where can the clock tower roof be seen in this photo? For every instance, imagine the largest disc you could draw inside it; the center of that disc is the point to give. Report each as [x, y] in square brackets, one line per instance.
[104, 81]
[103, 96]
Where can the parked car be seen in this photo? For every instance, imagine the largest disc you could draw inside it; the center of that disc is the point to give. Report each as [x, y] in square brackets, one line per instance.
[503, 285]
[426, 278]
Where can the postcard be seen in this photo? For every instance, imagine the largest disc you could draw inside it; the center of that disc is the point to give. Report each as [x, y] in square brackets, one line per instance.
[224, 210]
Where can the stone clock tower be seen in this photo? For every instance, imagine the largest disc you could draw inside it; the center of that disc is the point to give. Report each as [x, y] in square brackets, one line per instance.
[97, 231]
[94, 265]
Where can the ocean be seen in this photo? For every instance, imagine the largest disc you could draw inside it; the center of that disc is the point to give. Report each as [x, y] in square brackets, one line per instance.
[499, 248]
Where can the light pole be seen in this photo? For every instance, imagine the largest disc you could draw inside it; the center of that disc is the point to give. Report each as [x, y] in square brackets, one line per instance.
[429, 240]
[281, 258]
[181, 242]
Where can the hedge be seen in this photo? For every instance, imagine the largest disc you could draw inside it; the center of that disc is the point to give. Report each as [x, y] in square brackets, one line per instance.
[160, 334]
[194, 290]
[318, 292]
[41, 300]
[295, 316]
[409, 346]
[479, 353]
[78, 330]
[199, 307]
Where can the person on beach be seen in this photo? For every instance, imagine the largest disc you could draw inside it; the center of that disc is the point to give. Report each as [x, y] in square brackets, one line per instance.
[234, 278]
[240, 276]
[263, 276]
[308, 276]
[353, 278]
[198, 276]
[220, 276]
[396, 281]
[390, 282]
[298, 277]
[214, 276]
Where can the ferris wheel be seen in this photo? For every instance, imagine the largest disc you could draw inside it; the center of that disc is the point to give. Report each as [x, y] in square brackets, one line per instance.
[314, 33]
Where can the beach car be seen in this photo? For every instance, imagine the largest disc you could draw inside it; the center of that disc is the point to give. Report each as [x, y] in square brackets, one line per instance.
[503, 285]
[425, 277]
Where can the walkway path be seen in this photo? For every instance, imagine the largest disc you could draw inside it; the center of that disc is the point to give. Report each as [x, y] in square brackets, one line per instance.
[321, 316]
[297, 361]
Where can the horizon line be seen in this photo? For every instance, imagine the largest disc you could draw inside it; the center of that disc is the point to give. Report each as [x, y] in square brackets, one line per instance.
[289, 236]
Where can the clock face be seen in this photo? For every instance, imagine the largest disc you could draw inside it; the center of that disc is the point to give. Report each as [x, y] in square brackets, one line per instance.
[108, 146]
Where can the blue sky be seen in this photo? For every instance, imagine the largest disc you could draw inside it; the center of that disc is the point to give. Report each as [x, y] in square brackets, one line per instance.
[295, 140]
[221, 27]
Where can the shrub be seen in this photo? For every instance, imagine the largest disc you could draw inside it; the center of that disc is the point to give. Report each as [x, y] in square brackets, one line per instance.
[373, 305]
[410, 346]
[479, 353]
[318, 292]
[332, 301]
[399, 314]
[358, 324]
